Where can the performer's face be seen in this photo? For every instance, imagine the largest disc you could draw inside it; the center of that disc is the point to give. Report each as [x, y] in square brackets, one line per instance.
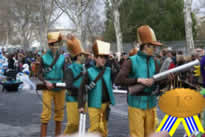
[150, 49]
[54, 46]
[82, 58]
[100, 61]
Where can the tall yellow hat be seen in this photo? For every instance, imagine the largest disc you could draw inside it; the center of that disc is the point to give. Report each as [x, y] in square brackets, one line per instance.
[54, 37]
[74, 46]
[101, 48]
[146, 35]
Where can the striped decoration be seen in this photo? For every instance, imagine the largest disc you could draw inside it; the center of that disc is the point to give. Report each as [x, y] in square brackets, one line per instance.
[170, 124]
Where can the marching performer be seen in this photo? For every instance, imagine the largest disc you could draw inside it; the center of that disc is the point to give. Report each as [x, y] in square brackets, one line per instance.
[73, 78]
[98, 81]
[139, 69]
[51, 71]
[132, 53]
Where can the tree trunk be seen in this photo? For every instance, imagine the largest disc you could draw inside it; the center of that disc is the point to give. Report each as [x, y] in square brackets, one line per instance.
[43, 27]
[188, 25]
[7, 38]
[118, 33]
[80, 27]
[80, 33]
[26, 44]
[43, 37]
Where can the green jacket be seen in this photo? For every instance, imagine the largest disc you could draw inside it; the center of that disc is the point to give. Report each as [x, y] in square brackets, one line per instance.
[76, 70]
[140, 62]
[95, 95]
[56, 74]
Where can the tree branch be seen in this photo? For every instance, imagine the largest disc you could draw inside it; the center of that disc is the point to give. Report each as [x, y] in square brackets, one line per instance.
[85, 7]
[59, 5]
[54, 20]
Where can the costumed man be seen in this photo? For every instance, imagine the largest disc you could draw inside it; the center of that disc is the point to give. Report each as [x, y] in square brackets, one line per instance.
[133, 52]
[51, 72]
[98, 81]
[139, 69]
[73, 78]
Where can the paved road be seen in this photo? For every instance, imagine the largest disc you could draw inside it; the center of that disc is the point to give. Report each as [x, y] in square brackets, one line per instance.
[20, 116]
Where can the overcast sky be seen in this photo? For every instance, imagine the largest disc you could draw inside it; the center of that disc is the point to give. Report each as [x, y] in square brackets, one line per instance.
[64, 22]
[196, 5]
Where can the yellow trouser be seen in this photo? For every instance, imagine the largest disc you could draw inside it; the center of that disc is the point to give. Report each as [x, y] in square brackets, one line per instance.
[72, 118]
[59, 99]
[156, 118]
[141, 122]
[98, 122]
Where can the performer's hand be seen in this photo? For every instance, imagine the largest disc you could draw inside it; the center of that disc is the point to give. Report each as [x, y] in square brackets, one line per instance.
[150, 82]
[49, 85]
[146, 81]
[81, 110]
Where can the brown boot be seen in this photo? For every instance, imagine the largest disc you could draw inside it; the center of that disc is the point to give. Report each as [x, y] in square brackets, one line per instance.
[43, 129]
[58, 128]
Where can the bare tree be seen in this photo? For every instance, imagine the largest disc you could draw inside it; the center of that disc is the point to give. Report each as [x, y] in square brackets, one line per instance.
[26, 20]
[78, 13]
[48, 17]
[93, 22]
[114, 5]
[201, 31]
[5, 22]
[188, 25]
[24, 12]
[16, 21]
